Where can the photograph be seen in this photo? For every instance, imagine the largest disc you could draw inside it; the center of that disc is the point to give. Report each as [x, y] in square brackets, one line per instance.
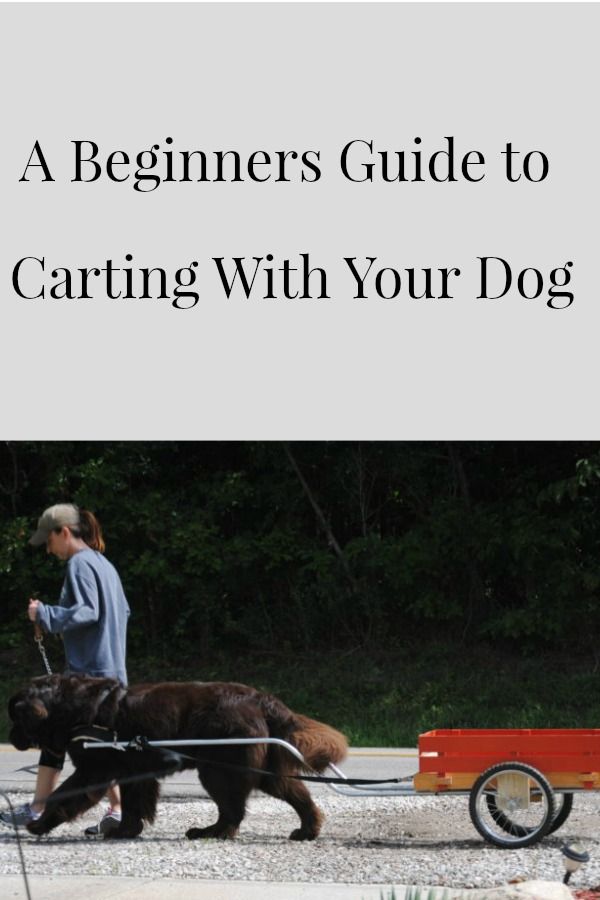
[386, 652]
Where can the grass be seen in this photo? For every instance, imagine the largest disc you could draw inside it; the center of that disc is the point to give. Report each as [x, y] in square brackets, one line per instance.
[389, 699]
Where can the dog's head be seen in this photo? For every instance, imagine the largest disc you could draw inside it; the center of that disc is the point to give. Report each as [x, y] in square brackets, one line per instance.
[29, 711]
[44, 713]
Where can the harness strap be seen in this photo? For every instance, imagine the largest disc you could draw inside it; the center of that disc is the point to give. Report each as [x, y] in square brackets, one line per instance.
[96, 734]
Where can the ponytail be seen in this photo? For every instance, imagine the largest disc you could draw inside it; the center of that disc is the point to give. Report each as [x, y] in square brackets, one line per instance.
[90, 531]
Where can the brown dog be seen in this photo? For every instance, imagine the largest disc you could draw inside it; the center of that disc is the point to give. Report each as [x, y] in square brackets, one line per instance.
[54, 712]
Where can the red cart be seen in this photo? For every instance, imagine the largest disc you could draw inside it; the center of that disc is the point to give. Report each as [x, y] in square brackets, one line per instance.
[520, 781]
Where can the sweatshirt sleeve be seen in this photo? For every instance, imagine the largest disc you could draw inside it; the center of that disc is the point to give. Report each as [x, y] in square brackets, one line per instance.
[79, 603]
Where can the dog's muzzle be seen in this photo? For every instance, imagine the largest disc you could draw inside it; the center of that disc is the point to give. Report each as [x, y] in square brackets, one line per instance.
[21, 740]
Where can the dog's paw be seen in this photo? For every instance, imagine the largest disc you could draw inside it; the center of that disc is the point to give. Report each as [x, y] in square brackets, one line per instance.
[299, 834]
[37, 827]
[125, 832]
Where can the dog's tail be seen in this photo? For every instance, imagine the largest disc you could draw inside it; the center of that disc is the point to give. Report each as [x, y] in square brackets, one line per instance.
[318, 743]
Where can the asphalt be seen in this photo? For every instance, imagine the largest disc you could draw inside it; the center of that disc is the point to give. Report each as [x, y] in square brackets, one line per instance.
[18, 769]
[18, 773]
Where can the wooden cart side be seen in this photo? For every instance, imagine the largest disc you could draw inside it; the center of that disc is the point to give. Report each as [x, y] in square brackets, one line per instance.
[452, 759]
[474, 750]
[561, 741]
[439, 782]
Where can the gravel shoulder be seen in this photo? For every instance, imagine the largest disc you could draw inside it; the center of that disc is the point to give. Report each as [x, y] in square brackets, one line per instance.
[407, 840]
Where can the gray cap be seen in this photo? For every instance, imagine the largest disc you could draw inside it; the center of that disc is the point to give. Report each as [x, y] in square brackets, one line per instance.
[54, 517]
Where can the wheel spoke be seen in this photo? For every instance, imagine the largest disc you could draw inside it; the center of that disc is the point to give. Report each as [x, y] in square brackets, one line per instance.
[512, 805]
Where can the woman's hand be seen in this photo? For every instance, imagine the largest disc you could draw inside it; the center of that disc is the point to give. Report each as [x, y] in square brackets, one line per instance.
[32, 610]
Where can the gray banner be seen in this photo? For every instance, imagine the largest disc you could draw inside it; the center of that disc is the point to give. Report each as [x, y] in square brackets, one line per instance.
[363, 220]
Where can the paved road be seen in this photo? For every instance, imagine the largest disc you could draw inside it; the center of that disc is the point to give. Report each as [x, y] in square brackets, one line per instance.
[18, 769]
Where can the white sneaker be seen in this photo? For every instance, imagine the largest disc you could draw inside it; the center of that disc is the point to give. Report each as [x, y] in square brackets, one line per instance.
[19, 816]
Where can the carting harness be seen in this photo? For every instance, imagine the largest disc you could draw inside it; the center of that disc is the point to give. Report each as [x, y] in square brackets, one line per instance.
[99, 734]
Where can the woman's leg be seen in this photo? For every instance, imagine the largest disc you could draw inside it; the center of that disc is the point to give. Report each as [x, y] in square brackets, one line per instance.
[114, 798]
[46, 781]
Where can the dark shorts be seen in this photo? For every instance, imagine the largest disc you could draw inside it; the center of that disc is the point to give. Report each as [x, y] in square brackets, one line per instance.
[51, 760]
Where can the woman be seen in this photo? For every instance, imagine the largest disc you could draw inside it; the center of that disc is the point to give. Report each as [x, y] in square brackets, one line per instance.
[91, 615]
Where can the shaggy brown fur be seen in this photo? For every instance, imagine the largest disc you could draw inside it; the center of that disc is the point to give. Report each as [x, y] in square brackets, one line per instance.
[50, 709]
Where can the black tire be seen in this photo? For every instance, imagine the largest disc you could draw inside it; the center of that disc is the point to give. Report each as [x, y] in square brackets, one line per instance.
[563, 807]
[502, 826]
[563, 811]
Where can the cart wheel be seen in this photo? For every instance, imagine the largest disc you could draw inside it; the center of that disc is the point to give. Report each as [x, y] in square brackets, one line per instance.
[563, 811]
[512, 805]
[563, 804]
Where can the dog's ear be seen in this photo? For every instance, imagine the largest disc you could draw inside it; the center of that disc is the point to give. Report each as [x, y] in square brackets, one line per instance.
[34, 701]
[31, 708]
[38, 710]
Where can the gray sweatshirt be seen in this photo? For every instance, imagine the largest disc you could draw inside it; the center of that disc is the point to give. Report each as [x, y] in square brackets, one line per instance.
[92, 615]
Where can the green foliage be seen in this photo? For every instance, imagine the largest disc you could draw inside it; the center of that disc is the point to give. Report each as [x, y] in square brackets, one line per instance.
[422, 893]
[378, 699]
[221, 549]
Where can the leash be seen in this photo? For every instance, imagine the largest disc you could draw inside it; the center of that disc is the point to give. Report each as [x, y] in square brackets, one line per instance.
[38, 636]
[19, 844]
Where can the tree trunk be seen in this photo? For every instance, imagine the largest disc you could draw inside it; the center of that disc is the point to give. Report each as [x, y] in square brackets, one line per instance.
[478, 606]
[321, 518]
